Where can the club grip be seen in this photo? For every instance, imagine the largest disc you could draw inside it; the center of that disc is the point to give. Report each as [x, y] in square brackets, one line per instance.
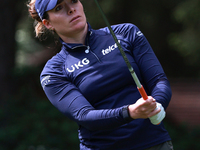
[143, 93]
[145, 97]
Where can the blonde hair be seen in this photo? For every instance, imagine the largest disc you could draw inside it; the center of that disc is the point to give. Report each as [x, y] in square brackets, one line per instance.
[40, 28]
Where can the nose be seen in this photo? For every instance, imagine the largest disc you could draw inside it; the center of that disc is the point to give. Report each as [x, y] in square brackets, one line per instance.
[71, 10]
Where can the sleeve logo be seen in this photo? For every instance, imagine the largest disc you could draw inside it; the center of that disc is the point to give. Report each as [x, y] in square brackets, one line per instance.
[139, 33]
[45, 81]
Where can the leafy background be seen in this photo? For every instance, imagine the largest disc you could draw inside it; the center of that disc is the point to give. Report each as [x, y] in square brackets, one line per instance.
[28, 119]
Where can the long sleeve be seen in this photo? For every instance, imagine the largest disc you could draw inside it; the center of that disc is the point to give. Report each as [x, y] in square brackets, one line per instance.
[153, 76]
[67, 98]
[92, 85]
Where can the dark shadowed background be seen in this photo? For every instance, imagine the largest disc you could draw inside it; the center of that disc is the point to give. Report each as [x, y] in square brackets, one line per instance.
[27, 119]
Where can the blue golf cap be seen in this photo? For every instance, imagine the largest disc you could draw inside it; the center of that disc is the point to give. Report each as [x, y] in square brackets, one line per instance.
[43, 6]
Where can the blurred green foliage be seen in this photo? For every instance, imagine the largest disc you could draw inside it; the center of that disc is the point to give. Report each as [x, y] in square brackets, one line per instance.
[33, 123]
[186, 41]
[30, 122]
[183, 138]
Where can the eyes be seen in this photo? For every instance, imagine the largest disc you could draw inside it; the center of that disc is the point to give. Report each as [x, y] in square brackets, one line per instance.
[74, 1]
[60, 6]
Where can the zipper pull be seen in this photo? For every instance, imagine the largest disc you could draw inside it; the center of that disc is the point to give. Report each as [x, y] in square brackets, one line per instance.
[87, 50]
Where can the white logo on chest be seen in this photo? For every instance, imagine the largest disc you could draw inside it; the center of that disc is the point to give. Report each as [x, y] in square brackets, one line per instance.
[78, 65]
[110, 49]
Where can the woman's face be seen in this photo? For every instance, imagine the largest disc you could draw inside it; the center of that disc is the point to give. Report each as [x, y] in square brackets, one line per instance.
[67, 18]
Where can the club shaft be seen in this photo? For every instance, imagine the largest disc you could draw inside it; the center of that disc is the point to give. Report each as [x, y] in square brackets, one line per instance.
[133, 74]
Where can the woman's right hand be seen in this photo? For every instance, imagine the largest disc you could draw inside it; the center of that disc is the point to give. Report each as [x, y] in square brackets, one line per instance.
[143, 108]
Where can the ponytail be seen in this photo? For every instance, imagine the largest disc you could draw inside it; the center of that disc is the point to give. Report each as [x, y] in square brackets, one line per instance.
[40, 28]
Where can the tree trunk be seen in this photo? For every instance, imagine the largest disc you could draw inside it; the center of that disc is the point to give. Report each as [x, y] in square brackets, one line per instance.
[9, 17]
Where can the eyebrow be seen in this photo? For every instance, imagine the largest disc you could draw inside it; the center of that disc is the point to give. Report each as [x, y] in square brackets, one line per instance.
[59, 1]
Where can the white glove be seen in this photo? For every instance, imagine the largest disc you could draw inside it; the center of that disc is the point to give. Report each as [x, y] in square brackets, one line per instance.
[158, 117]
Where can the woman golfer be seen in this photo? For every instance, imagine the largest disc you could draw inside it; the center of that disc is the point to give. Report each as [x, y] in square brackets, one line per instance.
[89, 81]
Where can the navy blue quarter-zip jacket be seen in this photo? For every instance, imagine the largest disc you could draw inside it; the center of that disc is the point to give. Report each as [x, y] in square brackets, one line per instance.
[92, 85]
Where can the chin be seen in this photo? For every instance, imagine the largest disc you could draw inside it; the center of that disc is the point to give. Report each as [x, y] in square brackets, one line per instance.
[80, 26]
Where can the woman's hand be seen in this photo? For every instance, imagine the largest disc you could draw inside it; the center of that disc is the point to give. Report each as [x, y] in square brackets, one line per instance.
[156, 120]
[143, 108]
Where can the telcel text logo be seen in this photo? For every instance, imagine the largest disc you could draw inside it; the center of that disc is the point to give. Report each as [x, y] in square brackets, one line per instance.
[110, 49]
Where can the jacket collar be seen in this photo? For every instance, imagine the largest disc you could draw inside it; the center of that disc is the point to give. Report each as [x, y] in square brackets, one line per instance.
[70, 46]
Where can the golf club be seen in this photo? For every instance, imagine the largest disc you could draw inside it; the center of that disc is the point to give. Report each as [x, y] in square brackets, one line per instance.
[135, 78]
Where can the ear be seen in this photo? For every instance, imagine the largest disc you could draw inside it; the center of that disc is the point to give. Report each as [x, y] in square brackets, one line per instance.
[47, 24]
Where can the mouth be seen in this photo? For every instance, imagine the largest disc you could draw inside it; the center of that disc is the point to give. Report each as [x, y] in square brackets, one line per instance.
[75, 18]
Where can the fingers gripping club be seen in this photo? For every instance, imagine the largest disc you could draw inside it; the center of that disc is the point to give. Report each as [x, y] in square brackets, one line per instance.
[155, 119]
